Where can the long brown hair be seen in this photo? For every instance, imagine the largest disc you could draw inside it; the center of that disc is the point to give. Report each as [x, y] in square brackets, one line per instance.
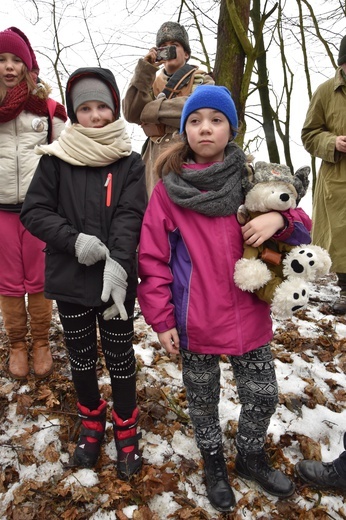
[173, 158]
[26, 76]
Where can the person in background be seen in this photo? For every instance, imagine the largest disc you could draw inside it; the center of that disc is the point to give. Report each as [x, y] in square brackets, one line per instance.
[190, 242]
[156, 95]
[324, 136]
[87, 201]
[324, 475]
[28, 117]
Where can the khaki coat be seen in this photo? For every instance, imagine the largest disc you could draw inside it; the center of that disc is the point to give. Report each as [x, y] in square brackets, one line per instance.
[325, 120]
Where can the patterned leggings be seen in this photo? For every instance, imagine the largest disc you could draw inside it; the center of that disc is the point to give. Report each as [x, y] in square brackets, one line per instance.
[79, 325]
[255, 377]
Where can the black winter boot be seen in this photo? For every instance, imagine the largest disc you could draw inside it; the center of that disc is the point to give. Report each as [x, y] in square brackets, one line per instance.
[322, 475]
[126, 438]
[91, 435]
[254, 466]
[219, 491]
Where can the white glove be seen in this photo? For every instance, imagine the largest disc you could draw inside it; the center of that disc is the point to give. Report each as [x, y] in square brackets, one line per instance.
[114, 285]
[89, 249]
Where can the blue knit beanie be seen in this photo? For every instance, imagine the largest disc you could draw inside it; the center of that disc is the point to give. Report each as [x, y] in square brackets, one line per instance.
[210, 96]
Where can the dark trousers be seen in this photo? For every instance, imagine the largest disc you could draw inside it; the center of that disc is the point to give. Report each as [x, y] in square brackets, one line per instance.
[80, 333]
[342, 281]
[256, 382]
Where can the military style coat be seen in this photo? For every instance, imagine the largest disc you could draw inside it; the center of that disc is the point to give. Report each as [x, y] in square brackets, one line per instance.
[325, 120]
[143, 105]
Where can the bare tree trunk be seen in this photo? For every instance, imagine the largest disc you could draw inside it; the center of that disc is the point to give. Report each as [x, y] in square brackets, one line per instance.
[230, 56]
[263, 84]
[283, 127]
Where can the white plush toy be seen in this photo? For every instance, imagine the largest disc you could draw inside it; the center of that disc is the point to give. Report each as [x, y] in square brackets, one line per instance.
[278, 272]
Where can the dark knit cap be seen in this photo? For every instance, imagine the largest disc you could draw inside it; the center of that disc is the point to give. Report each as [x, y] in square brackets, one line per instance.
[342, 52]
[104, 76]
[14, 41]
[210, 96]
[91, 88]
[173, 31]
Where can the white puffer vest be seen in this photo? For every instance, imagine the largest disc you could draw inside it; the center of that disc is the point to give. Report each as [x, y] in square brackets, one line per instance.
[18, 161]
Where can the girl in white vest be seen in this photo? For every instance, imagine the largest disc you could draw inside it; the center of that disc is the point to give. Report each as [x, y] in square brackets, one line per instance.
[28, 117]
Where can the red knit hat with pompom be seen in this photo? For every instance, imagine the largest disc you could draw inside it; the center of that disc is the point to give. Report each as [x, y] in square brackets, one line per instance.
[14, 41]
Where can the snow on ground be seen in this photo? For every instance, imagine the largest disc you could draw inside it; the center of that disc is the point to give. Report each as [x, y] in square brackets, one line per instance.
[39, 427]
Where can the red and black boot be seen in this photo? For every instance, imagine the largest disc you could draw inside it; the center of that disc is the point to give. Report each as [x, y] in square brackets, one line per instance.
[91, 435]
[126, 441]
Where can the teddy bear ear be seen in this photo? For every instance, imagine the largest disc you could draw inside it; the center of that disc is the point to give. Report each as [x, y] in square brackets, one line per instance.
[301, 181]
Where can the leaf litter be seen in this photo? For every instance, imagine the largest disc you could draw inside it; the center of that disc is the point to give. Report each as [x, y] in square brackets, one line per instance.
[39, 428]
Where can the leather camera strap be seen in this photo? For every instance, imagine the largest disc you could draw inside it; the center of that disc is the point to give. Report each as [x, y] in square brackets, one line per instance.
[178, 80]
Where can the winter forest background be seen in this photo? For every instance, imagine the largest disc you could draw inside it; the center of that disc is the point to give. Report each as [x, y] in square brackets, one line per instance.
[272, 56]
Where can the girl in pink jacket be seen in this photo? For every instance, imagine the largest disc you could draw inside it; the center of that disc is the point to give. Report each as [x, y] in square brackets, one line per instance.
[190, 242]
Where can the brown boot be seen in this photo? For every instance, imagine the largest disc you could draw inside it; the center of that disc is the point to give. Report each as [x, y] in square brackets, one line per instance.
[15, 323]
[40, 310]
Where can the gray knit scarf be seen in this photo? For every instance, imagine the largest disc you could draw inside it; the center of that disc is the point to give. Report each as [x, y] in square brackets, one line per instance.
[215, 191]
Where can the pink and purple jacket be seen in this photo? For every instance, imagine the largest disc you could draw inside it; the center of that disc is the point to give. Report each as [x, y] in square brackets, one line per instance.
[186, 266]
[298, 227]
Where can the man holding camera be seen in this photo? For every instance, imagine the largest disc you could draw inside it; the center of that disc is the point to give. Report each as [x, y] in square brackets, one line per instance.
[155, 96]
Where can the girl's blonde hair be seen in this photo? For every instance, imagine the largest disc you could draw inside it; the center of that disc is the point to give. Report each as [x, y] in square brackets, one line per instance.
[173, 158]
[26, 76]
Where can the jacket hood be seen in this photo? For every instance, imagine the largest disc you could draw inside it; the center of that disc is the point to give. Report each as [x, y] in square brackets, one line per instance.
[104, 75]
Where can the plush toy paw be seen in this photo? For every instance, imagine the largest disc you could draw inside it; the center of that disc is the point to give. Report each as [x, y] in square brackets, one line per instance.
[251, 274]
[308, 262]
[289, 297]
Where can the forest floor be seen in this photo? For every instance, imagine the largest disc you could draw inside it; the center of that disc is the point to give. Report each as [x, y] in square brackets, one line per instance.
[39, 428]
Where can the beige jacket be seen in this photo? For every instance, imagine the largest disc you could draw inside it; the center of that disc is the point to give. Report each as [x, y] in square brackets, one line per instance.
[141, 106]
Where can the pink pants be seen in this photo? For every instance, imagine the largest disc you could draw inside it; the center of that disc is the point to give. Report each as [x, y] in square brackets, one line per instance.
[21, 258]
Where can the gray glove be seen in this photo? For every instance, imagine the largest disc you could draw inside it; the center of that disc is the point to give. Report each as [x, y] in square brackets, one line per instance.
[114, 285]
[89, 249]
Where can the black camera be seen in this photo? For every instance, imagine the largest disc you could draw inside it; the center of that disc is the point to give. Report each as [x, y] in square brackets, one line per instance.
[166, 53]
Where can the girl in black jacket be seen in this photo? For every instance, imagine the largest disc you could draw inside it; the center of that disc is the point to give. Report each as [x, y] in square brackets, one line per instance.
[87, 201]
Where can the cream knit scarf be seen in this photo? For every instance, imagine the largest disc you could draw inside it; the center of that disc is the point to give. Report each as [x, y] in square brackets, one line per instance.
[82, 146]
